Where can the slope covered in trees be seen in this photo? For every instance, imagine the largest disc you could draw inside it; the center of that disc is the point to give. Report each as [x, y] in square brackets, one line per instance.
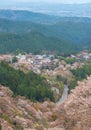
[30, 85]
[59, 34]
[75, 30]
[23, 15]
[34, 42]
[80, 74]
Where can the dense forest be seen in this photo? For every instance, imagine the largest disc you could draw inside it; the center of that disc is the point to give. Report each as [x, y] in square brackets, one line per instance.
[65, 35]
[30, 85]
[80, 74]
[75, 30]
[34, 42]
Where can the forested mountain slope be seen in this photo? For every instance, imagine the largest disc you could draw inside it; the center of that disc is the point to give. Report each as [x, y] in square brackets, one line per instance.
[22, 29]
[22, 114]
[34, 42]
[76, 30]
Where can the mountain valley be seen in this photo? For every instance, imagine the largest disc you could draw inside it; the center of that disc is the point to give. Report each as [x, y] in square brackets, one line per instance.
[45, 66]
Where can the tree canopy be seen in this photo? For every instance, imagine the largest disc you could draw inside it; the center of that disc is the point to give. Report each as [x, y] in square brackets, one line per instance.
[30, 85]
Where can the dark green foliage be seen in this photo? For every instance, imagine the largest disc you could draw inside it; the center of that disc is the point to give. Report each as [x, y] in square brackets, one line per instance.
[75, 30]
[80, 74]
[70, 60]
[66, 36]
[29, 85]
[14, 59]
[72, 85]
[34, 42]
[61, 78]
[0, 127]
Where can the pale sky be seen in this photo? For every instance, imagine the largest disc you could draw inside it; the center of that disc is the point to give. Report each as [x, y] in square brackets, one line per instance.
[9, 4]
[51, 1]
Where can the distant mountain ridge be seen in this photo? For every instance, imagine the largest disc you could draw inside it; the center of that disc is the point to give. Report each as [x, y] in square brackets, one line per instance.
[74, 30]
[24, 15]
[65, 10]
[21, 15]
[20, 29]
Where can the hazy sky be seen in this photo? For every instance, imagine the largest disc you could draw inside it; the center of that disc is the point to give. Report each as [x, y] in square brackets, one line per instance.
[9, 4]
[56, 1]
